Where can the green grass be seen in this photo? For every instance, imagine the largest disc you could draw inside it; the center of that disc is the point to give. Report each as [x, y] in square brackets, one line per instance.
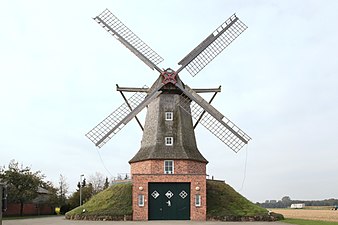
[308, 222]
[114, 201]
[223, 200]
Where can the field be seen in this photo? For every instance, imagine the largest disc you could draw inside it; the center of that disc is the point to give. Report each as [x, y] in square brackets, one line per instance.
[309, 214]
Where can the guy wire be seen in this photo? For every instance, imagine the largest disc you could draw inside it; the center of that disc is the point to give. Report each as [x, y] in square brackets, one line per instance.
[246, 161]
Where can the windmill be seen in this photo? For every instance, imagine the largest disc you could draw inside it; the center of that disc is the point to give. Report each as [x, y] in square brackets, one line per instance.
[164, 139]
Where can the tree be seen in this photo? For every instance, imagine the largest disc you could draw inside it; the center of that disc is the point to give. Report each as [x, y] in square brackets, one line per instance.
[87, 193]
[97, 181]
[22, 183]
[106, 184]
[51, 198]
[286, 200]
[63, 190]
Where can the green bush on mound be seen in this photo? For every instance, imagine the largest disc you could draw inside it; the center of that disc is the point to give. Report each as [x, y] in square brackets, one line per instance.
[114, 203]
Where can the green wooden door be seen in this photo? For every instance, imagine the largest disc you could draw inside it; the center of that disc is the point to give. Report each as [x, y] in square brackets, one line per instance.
[169, 201]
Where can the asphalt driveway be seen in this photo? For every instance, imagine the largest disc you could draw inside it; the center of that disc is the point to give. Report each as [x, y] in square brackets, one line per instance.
[59, 220]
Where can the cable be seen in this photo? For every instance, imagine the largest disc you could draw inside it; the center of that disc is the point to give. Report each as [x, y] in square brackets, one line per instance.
[103, 163]
[246, 161]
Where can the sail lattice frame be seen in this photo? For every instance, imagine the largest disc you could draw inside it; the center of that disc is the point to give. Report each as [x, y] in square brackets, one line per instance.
[222, 132]
[213, 45]
[123, 34]
[101, 130]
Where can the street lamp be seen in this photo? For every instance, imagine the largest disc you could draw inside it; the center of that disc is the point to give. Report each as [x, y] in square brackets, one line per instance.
[81, 188]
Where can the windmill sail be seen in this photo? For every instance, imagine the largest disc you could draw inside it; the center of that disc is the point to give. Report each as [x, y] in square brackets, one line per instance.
[102, 129]
[105, 130]
[191, 102]
[214, 44]
[123, 34]
[213, 120]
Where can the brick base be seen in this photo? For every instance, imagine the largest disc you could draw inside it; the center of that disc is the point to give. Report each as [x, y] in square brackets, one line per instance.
[185, 171]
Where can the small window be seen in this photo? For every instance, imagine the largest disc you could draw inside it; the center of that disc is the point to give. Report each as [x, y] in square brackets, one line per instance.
[197, 200]
[169, 141]
[168, 115]
[168, 166]
[140, 200]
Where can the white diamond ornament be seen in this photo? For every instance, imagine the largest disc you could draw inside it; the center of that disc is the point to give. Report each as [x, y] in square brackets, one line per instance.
[155, 194]
[183, 194]
[169, 194]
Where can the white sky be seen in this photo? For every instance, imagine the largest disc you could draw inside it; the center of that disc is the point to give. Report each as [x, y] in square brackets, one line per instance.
[279, 82]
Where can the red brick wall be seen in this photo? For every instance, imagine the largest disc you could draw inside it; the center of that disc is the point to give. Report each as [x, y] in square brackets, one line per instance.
[157, 167]
[13, 209]
[184, 171]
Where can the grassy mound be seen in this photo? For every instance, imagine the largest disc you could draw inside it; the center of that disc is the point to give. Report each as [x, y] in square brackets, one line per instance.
[224, 203]
[113, 203]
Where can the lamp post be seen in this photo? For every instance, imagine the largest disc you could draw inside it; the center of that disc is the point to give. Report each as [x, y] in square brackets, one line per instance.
[81, 188]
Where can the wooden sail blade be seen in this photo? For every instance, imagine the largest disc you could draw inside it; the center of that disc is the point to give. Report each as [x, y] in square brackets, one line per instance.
[105, 130]
[130, 40]
[214, 44]
[113, 120]
[214, 121]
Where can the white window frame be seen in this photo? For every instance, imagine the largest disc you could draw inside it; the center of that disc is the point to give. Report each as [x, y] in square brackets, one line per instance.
[172, 167]
[168, 141]
[198, 200]
[140, 200]
[169, 116]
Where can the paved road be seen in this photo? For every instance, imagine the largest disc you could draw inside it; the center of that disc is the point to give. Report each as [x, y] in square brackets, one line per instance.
[58, 220]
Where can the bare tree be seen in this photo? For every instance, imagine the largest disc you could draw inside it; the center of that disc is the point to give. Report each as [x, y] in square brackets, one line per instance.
[97, 180]
[63, 189]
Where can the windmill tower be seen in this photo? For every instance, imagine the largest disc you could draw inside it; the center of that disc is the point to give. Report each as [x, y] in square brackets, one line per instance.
[168, 171]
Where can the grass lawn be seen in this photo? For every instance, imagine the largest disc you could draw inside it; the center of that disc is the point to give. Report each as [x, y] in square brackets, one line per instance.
[308, 222]
[114, 201]
[223, 200]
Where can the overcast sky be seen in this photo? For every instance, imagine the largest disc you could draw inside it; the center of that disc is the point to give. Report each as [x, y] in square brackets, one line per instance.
[279, 81]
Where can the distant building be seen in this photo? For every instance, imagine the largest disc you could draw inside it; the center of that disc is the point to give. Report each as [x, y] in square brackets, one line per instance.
[38, 206]
[297, 206]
